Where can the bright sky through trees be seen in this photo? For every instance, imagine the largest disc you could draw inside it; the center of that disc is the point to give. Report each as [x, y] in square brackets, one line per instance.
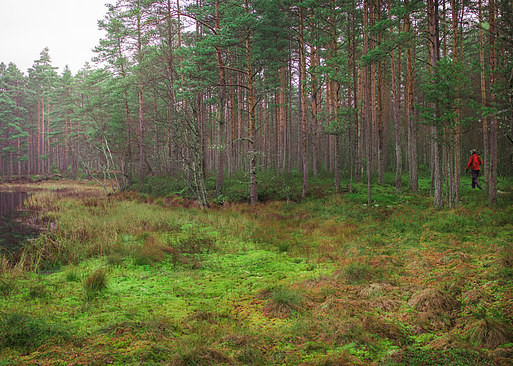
[67, 27]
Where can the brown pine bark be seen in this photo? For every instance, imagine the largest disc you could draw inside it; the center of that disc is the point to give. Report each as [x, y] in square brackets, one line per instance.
[303, 97]
[380, 113]
[484, 119]
[409, 98]
[454, 199]
[396, 117]
[434, 50]
[367, 106]
[282, 120]
[492, 186]
[141, 127]
[222, 111]
[253, 193]
[356, 129]
[314, 102]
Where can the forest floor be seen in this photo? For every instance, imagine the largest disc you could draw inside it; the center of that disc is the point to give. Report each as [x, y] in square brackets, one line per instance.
[134, 279]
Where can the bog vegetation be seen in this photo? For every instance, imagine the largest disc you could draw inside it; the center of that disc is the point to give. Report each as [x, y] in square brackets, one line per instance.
[141, 278]
[276, 172]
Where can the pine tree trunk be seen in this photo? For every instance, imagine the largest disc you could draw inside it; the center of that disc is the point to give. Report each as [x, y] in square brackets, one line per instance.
[380, 115]
[356, 133]
[456, 147]
[303, 96]
[367, 108]
[253, 193]
[140, 101]
[492, 187]
[282, 121]
[434, 55]
[396, 117]
[484, 118]
[222, 114]
[412, 147]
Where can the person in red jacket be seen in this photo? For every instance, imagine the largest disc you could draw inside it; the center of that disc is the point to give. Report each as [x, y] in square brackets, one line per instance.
[474, 163]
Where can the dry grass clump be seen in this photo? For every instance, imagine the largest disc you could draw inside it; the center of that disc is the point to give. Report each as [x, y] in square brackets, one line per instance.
[490, 333]
[432, 300]
[152, 250]
[374, 290]
[197, 243]
[506, 257]
[502, 356]
[434, 309]
[380, 297]
[384, 328]
[344, 359]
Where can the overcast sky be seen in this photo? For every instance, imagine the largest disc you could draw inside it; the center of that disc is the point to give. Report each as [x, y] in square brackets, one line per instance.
[67, 27]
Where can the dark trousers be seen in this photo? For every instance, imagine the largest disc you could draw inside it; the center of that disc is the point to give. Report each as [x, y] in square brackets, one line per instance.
[475, 181]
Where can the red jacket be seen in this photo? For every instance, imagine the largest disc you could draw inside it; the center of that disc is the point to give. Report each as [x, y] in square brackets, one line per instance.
[474, 162]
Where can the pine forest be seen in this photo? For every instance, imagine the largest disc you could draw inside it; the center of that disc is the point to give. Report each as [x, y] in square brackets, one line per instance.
[212, 88]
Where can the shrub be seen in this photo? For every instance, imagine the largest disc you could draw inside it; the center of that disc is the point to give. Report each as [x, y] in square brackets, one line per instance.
[453, 222]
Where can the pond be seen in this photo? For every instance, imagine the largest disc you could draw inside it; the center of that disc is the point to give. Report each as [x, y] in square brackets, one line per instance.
[12, 231]
[10, 201]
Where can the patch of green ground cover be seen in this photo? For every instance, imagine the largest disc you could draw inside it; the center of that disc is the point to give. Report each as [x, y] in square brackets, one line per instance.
[217, 288]
[136, 293]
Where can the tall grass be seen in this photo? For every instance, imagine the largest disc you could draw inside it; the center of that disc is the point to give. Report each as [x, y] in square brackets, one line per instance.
[77, 231]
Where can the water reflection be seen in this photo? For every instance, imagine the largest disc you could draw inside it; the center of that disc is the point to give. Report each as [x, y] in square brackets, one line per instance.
[10, 201]
[13, 232]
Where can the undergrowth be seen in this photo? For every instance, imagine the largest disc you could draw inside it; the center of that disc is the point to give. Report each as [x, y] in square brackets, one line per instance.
[331, 280]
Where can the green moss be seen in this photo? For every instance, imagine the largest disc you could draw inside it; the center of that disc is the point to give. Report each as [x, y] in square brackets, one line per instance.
[317, 282]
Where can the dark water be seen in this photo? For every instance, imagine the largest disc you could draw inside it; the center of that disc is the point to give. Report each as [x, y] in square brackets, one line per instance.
[10, 201]
[12, 231]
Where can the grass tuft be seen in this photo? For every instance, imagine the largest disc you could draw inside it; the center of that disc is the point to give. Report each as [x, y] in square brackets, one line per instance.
[151, 251]
[435, 309]
[95, 283]
[360, 273]
[283, 301]
[490, 333]
[432, 300]
[73, 274]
